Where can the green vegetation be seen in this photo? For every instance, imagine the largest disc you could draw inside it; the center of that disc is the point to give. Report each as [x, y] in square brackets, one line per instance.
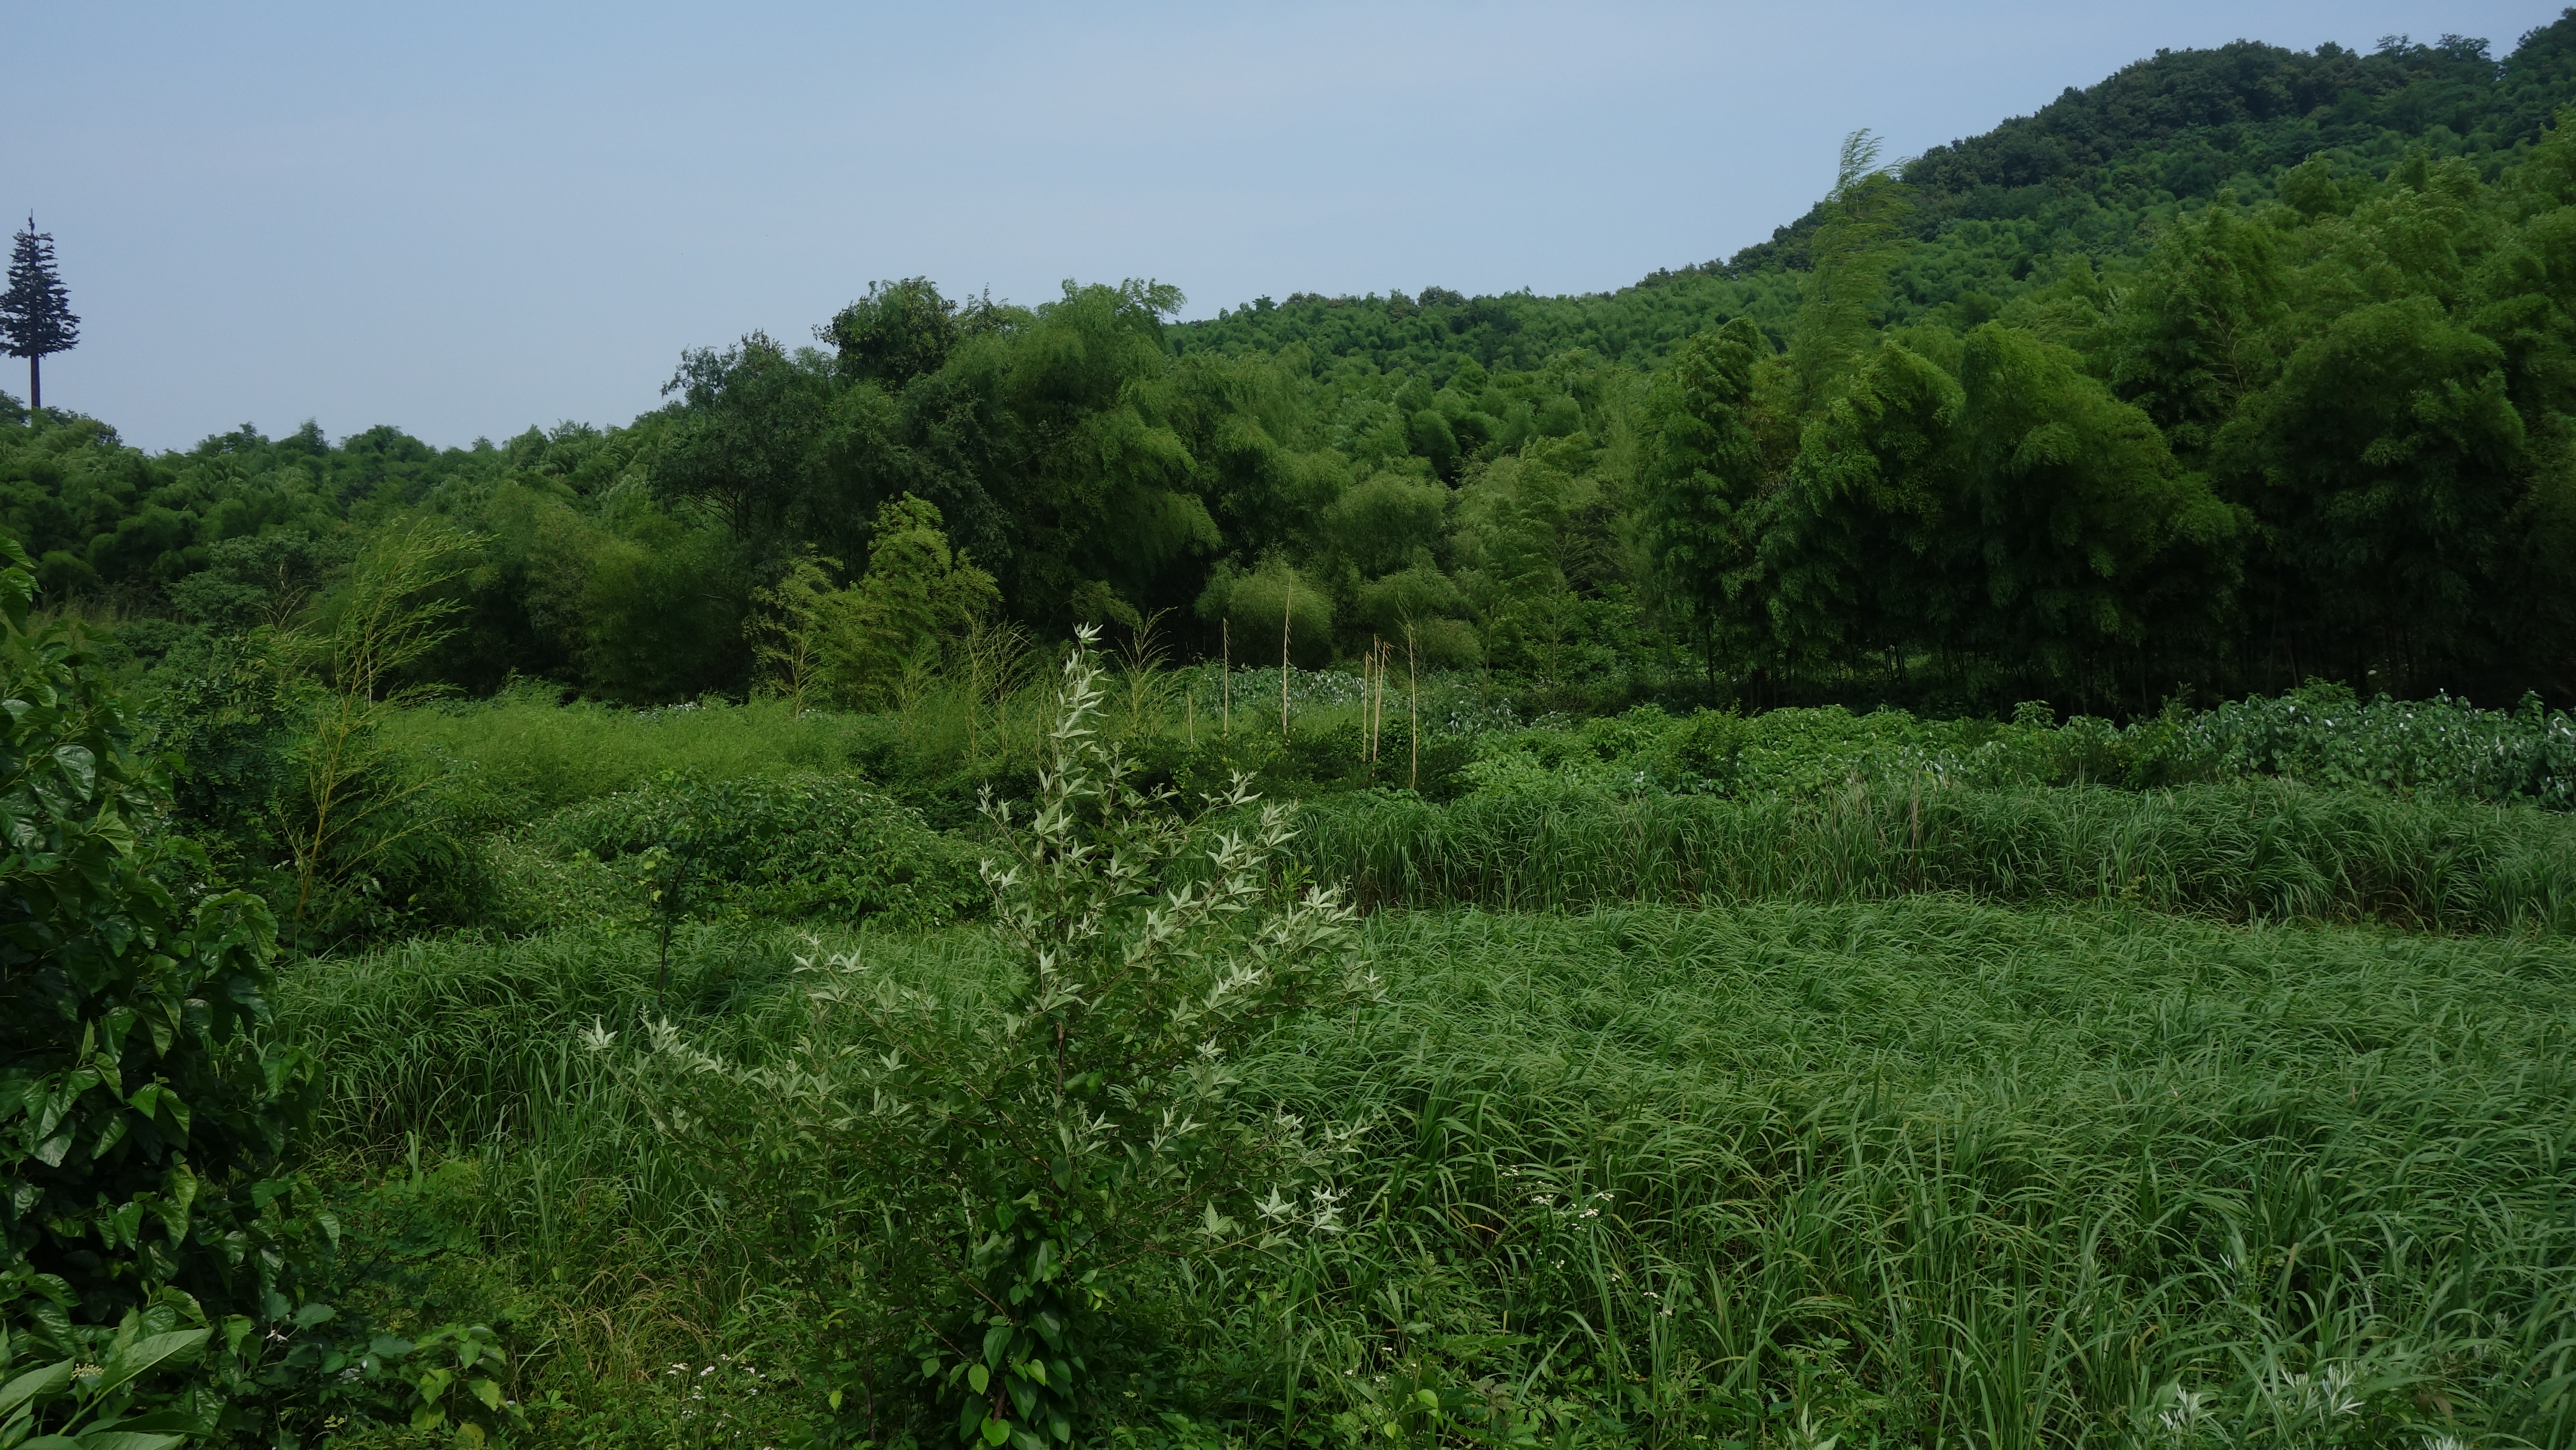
[1958, 831]
[2241, 368]
[1764, 1174]
[2193, 1081]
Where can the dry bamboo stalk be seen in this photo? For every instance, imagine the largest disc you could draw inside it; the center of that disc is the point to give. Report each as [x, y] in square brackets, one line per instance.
[1377, 696]
[1287, 608]
[1413, 699]
[1385, 669]
[1368, 704]
[1368, 697]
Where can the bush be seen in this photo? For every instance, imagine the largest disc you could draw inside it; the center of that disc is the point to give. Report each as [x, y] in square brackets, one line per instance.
[160, 1256]
[141, 1115]
[526, 756]
[2442, 746]
[2319, 736]
[798, 846]
[983, 1181]
[142, 1124]
[1258, 606]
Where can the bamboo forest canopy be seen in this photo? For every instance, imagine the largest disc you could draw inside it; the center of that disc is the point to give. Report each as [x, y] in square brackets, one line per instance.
[2241, 367]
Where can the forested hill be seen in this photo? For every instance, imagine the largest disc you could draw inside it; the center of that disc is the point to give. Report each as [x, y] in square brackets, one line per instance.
[2091, 174]
[2242, 368]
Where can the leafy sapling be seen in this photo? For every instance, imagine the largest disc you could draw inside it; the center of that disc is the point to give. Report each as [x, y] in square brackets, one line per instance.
[1013, 1171]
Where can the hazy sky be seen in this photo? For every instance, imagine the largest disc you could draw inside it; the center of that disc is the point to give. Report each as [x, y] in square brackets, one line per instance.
[465, 218]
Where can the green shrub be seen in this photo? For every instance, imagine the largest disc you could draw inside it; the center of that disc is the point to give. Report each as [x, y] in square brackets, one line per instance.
[161, 1256]
[1708, 749]
[980, 1183]
[2320, 736]
[794, 847]
[115, 1390]
[523, 756]
[2324, 735]
[1272, 607]
[143, 1120]
[143, 1127]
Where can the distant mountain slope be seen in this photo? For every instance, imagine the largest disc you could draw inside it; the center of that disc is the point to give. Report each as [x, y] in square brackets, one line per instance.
[2090, 173]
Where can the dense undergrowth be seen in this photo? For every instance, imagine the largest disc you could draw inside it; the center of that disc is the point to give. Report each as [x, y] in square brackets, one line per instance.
[1914, 1172]
[2244, 852]
[1792, 1079]
[1778, 1080]
[1800, 1078]
[2316, 806]
[1576, 1064]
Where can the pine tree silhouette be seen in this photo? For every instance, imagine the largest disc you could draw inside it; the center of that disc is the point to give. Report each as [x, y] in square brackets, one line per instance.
[35, 313]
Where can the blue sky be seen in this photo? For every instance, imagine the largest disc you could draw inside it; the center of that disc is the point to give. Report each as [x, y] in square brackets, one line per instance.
[466, 218]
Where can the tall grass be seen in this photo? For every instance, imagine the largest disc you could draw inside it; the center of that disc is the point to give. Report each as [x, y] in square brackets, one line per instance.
[522, 754]
[1919, 1172]
[1938, 1173]
[454, 1040]
[527, 755]
[2242, 851]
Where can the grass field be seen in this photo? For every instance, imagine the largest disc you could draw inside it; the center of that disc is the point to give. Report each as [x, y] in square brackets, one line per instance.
[1807, 1080]
[2246, 851]
[1917, 1171]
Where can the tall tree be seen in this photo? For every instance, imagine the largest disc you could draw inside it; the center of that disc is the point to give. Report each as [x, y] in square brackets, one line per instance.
[1704, 481]
[1856, 551]
[745, 435]
[900, 331]
[1849, 258]
[35, 313]
[2091, 539]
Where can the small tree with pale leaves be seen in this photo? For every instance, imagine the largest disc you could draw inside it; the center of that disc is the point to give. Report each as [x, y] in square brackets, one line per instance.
[1000, 1176]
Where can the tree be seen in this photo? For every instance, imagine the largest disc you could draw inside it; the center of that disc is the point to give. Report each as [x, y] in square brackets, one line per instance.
[1704, 475]
[35, 313]
[1848, 261]
[2202, 331]
[898, 332]
[2086, 529]
[1854, 552]
[2391, 469]
[1109, 524]
[917, 595]
[746, 434]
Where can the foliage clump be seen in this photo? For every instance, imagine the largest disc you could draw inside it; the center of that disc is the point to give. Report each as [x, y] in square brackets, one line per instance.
[804, 847]
[143, 1117]
[1007, 1179]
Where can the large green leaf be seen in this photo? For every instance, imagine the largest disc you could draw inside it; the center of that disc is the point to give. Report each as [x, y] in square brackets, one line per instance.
[145, 1353]
[48, 1380]
[127, 1440]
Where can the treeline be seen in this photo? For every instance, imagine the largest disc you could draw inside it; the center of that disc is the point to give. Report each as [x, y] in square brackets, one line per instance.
[2324, 436]
[1935, 446]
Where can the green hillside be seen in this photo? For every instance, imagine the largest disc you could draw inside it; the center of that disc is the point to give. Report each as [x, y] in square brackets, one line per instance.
[2093, 173]
[2239, 368]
